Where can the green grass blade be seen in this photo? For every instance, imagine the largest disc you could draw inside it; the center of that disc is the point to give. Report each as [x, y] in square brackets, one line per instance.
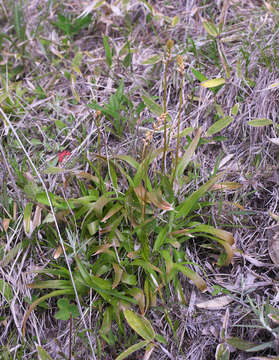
[183, 163]
[187, 205]
[107, 50]
[132, 349]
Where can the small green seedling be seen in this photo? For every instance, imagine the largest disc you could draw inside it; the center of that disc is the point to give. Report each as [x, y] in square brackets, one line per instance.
[66, 310]
[71, 27]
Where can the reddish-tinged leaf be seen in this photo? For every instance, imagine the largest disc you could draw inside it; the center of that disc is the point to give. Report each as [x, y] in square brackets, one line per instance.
[149, 351]
[58, 252]
[226, 185]
[102, 249]
[6, 223]
[62, 155]
[141, 193]
[156, 199]
[111, 212]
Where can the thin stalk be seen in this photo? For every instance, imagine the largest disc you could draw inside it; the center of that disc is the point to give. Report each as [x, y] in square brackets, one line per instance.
[71, 331]
[169, 46]
[181, 70]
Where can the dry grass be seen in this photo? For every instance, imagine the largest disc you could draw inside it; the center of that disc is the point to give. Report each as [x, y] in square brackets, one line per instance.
[60, 119]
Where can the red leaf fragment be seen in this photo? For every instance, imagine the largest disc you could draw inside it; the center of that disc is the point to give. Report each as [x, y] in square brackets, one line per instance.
[62, 155]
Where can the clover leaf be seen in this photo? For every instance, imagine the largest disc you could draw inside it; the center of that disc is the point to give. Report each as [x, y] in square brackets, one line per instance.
[66, 310]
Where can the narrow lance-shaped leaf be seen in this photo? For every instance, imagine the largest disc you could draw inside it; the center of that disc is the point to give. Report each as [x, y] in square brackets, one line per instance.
[186, 158]
[219, 125]
[212, 83]
[259, 122]
[107, 320]
[239, 343]
[152, 60]
[107, 50]
[192, 275]
[132, 349]
[186, 206]
[153, 106]
[27, 223]
[228, 250]
[140, 325]
[161, 238]
[222, 234]
[156, 199]
[210, 28]
[112, 212]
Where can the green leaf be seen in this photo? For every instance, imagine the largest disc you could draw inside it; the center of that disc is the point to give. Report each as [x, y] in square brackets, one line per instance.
[43, 354]
[31, 189]
[138, 295]
[27, 219]
[107, 50]
[51, 284]
[219, 125]
[132, 349]
[66, 310]
[81, 22]
[186, 131]
[186, 158]
[128, 60]
[174, 20]
[187, 205]
[76, 62]
[212, 83]
[13, 252]
[152, 60]
[240, 344]
[152, 105]
[259, 122]
[210, 28]
[234, 109]
[161, 238]
[60, 124]
[266, 345]
[40, 300]
[131, 161]
[140, 324]
[93, 227]
[107, 320]
[192, 275]
[6, 290]
[198, 74]
[222, 352]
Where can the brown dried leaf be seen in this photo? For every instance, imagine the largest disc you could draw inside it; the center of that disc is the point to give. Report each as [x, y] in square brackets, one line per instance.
[141, 193]
[228, 185]
[157, 201]
[58, 252]
[6, 223]
[215, 304]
